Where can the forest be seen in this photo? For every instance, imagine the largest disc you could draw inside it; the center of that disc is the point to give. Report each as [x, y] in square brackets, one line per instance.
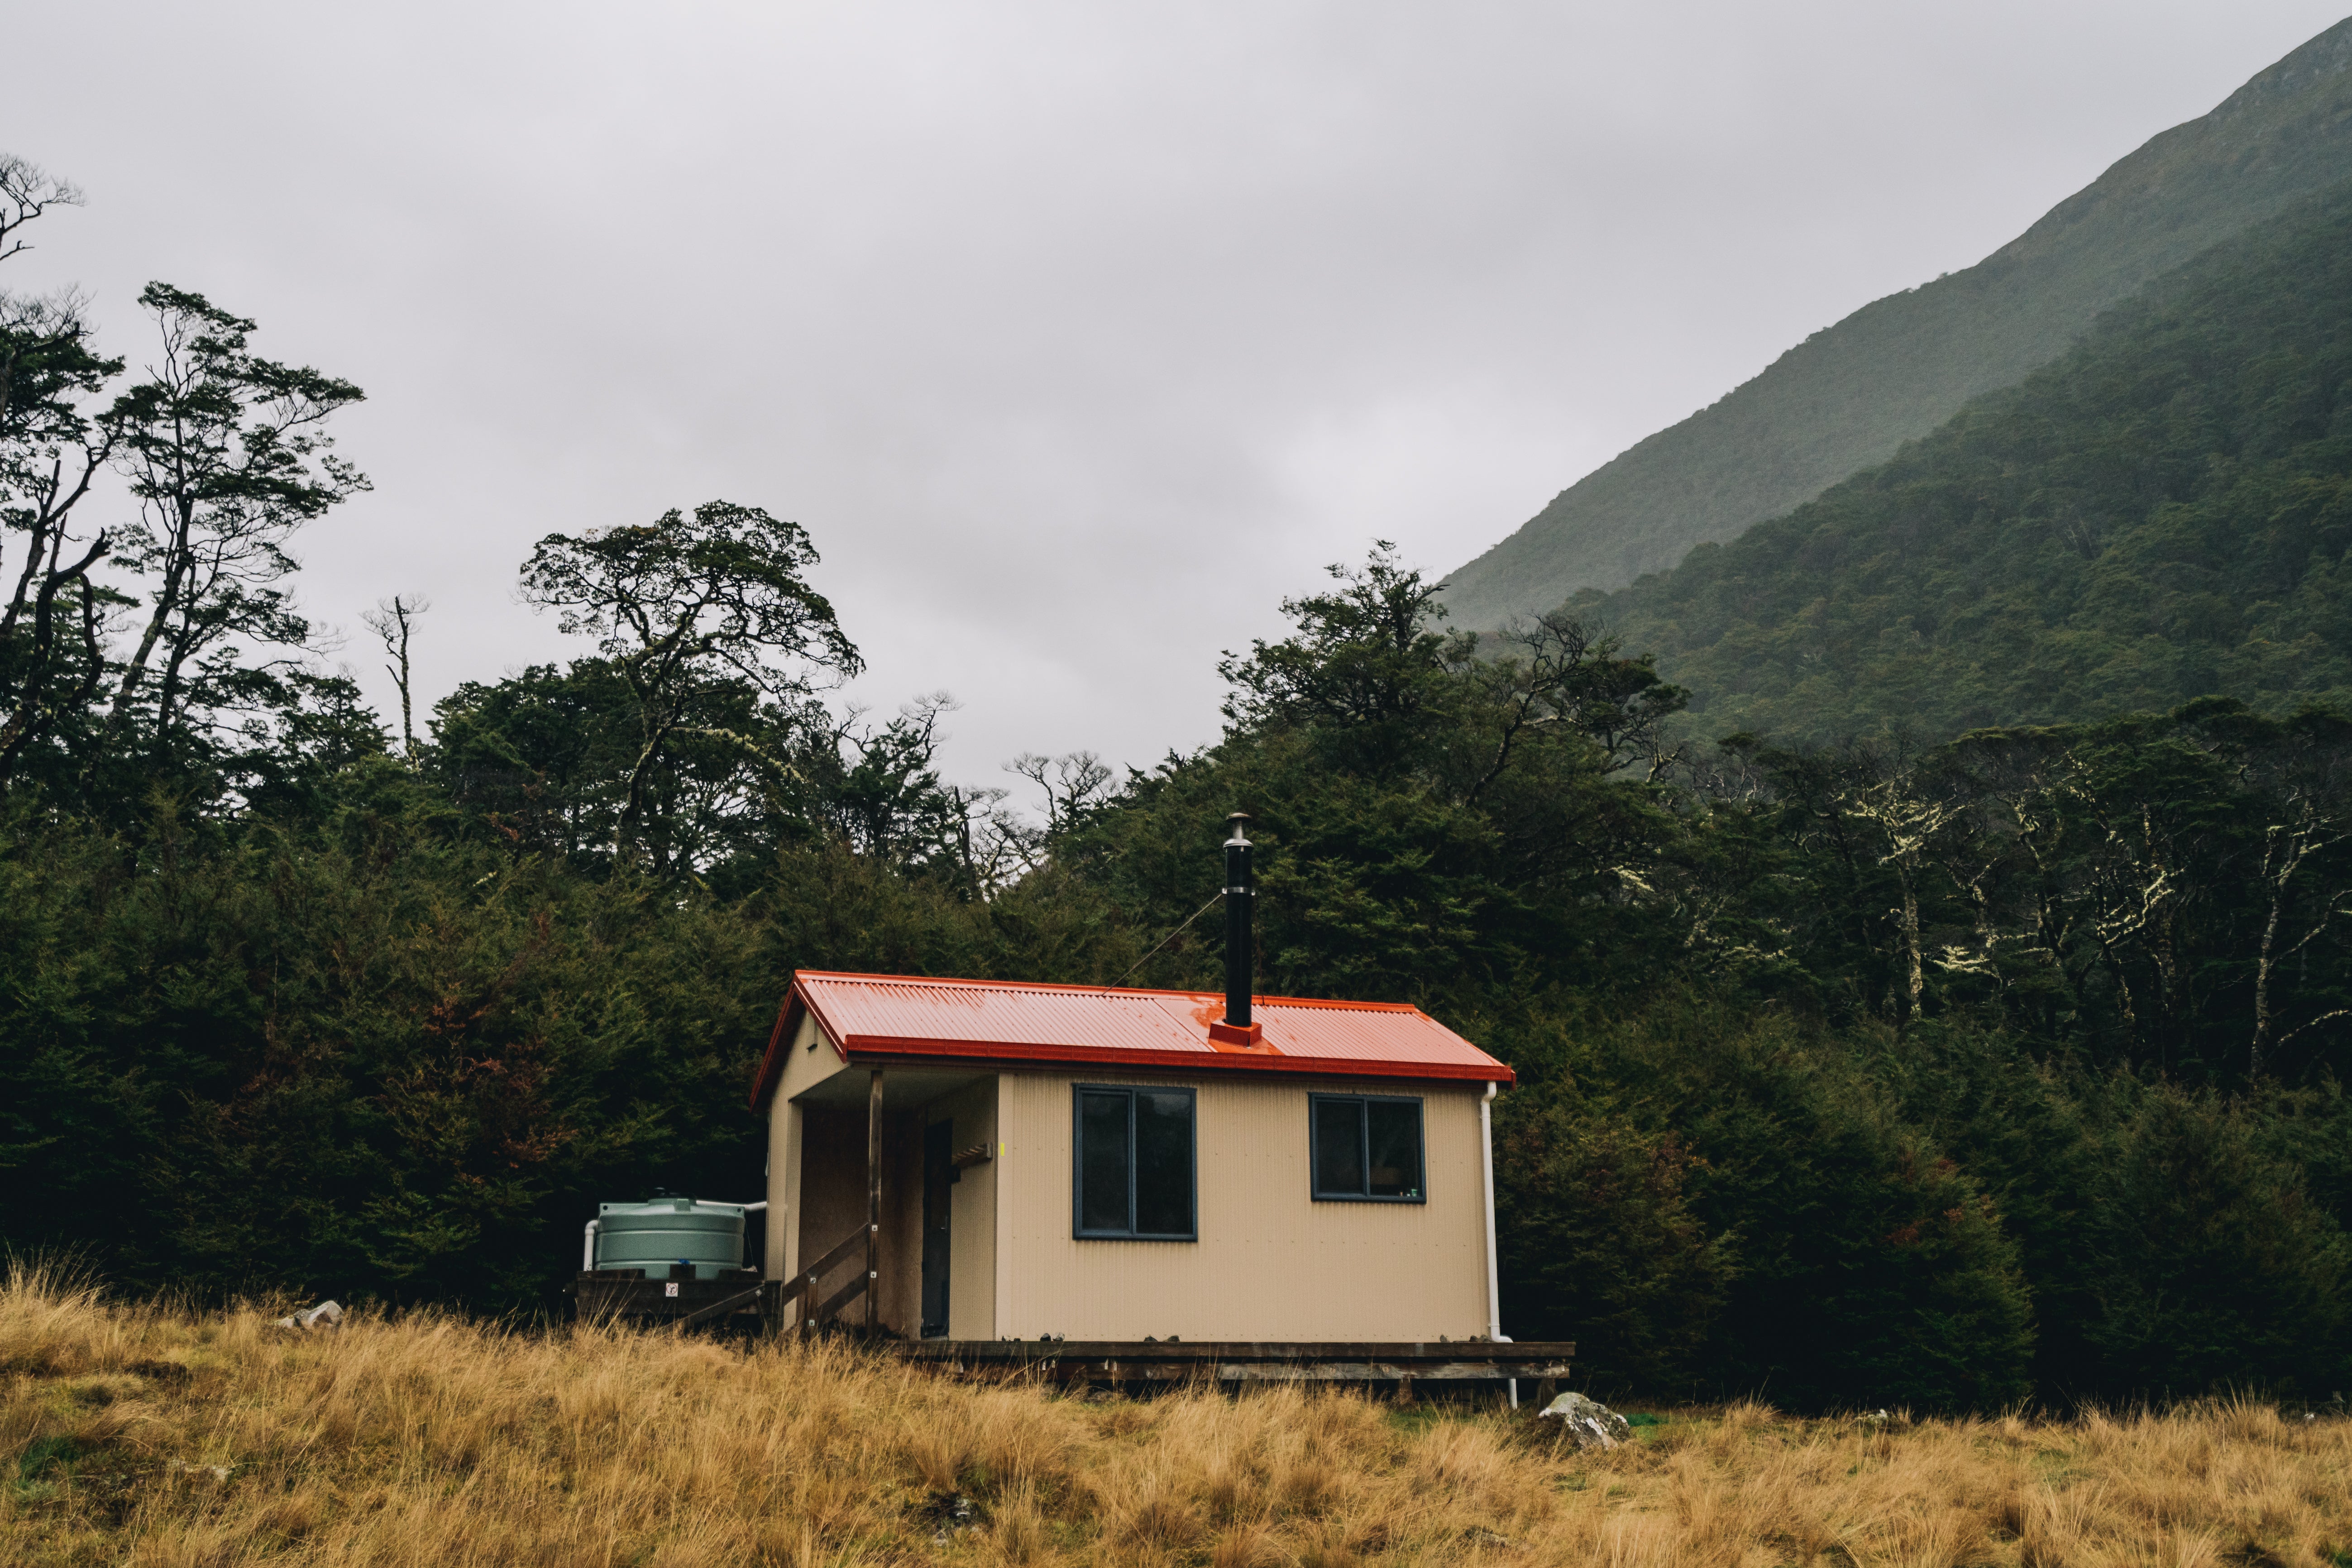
[2159, 515]
[1941, 1067]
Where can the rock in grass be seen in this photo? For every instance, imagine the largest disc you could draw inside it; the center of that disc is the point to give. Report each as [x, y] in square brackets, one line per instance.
[1587, 1422]
[325, 1315]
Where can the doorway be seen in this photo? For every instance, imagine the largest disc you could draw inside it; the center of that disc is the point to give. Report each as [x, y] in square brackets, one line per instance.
[939, 1175]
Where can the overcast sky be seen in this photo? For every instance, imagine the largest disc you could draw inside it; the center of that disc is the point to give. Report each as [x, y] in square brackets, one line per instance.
[1077, 334]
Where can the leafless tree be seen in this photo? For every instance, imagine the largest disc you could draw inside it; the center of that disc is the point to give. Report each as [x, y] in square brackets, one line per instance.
[1908, 823]
[2312, 829]
[26, 191]
[998, 845]
[1073, 784]
[2306, 888]
[392, 620]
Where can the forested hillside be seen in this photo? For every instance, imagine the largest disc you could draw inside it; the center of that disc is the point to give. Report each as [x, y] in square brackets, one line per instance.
[2161, 514]
[1849, 395]
[1882, 1073]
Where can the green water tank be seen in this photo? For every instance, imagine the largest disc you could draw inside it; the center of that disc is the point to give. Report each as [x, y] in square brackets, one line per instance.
[654, 1234]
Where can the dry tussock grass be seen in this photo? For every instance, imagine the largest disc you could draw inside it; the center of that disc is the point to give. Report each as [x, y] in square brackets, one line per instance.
[137, 1435]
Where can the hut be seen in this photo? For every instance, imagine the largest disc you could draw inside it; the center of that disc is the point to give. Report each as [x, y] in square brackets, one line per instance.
[988, 1160]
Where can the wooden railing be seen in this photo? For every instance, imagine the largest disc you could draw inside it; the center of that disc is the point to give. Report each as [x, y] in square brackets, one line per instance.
[802, 1286]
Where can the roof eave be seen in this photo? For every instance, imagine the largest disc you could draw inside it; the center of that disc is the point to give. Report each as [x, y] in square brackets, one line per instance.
[882, 1049]
[780, 1043]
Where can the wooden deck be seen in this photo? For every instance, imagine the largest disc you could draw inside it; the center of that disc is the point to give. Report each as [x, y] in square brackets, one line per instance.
[1232, 1363]
[743, 1301]
[625, 1295]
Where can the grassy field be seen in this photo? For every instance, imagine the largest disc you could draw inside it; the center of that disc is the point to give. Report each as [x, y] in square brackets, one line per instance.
[141, 1436]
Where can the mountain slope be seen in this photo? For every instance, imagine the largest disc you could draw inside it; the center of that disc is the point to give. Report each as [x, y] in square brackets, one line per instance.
[2163, 513]
[1849, 395]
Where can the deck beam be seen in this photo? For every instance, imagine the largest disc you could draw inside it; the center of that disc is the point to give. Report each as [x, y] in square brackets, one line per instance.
[1234, 1363]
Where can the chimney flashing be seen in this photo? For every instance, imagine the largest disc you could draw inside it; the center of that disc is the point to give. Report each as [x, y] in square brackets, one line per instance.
[1224, 1037]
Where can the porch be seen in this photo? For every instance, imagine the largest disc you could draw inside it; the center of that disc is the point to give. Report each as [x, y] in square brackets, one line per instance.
[883, 1215]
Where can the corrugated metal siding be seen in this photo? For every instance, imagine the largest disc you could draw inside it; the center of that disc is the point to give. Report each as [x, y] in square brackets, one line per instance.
[782, 1252]
[1271, 1263]
[802, 1069]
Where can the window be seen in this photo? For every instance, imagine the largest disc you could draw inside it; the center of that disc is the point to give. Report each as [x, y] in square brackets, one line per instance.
[1365, 1147]
[1134, 1164]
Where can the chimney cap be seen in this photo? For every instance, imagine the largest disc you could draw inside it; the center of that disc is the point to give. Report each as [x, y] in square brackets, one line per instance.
[1239, 823]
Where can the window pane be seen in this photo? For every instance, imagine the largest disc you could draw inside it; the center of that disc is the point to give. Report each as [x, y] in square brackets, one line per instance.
[1393, 1128]
[1339, 1147]
[1163, 1163]
[1102, 1162]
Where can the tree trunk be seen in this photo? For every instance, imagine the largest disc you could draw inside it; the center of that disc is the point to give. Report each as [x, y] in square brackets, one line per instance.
[166, 600]
[2277, 878]
[168, 693]
[25, 722]
[41, 546]
[1911, 940]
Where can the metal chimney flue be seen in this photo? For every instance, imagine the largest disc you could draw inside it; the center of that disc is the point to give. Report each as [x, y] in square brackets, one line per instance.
[1239, 935]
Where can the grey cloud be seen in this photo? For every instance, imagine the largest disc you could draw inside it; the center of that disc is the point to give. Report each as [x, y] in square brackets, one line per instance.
[1077, 334]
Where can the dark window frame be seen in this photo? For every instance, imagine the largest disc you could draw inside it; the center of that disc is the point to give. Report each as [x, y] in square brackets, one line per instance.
[1078, 1230]
[1363, 1102]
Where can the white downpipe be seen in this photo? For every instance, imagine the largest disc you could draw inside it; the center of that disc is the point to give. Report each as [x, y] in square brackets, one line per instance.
[1494, 1274]
[749, 1210]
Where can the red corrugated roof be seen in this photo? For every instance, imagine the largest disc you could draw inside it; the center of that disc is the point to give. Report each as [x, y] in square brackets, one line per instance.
[901, 1016]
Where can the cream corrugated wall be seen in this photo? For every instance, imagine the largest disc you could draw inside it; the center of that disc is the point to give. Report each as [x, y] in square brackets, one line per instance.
[1271, 1263]
[804, 1069]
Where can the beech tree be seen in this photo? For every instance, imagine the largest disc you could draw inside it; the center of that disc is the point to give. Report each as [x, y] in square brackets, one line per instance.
[50, 450]
[228, 454]
[687, 606]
